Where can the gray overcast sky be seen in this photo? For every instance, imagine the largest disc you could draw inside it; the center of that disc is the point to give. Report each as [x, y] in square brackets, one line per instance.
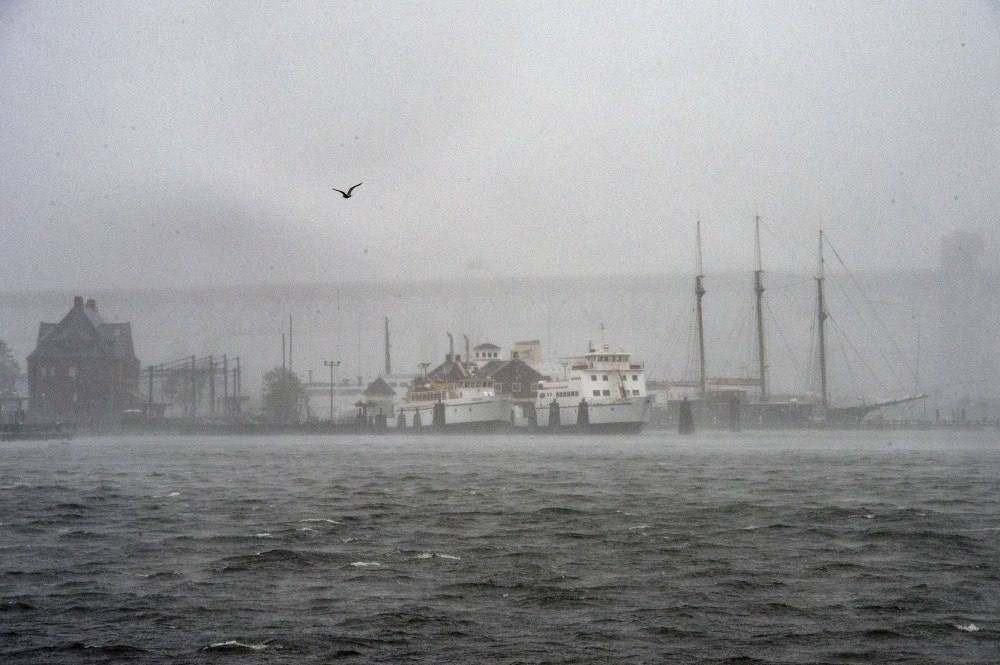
[160, 144]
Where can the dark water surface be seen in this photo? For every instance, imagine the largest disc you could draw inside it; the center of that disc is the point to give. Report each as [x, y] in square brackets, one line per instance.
[742, 548]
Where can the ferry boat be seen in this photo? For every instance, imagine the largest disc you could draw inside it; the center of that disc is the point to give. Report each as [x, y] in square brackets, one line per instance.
[604, 391]
[452, 397]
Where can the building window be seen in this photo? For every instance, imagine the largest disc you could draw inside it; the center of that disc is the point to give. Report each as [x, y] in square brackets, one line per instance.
[597, 393]
[72, 372]
[607, 393]
[635, 392]
[515, 387]
[499, 387]
[605, 377]
[593, 377]
[635, 377]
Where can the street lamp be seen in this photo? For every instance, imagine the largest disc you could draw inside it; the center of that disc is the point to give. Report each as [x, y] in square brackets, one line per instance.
[331, 364]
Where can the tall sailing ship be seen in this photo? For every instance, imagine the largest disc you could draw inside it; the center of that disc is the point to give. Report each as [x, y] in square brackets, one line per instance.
[749, 401]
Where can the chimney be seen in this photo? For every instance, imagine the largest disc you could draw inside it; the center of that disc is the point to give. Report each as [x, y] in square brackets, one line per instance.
[92, 304]
[77, 301]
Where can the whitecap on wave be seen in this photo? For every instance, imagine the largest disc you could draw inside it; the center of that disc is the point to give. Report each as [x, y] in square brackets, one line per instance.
[320, 519]
[970, 628]
[263, 534]
[436, 555]
[234, 645]
[365, 564]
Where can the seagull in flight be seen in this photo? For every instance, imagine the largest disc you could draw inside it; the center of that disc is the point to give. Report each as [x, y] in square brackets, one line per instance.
[347, 194]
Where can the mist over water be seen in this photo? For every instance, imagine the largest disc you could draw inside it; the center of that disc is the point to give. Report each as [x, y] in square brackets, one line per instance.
[835, 547]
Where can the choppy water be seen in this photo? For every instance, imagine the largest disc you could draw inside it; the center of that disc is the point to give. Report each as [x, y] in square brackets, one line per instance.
[836, 548]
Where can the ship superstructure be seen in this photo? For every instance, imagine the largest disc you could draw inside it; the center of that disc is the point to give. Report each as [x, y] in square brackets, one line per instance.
[603, 390]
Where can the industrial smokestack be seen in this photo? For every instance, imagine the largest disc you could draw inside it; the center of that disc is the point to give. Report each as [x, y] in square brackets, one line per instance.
[451, 347]
[467, 356]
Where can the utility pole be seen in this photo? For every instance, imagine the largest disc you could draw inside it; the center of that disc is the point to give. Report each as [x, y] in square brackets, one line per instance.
[290, 366]
[283, 365]
[211, 384]
[194, 386]
[237, 384]
[149, 408]
[758, 287]
[699, 293]
[225, 384]
[331, 364]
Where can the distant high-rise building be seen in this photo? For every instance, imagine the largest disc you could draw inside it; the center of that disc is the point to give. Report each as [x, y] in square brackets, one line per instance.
[968, 348]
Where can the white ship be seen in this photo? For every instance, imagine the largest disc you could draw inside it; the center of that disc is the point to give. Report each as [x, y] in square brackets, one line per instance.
[603, 390]
[452, 397]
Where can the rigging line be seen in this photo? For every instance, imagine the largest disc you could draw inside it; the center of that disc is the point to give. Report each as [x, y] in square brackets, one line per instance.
[673, 331]
[861, 317]
[776, 325]
[689, 347]
[809, 374]
[735, 334]
[792, 285]
[847, 360]
[782, 242]
[840, 331]
[874, 311]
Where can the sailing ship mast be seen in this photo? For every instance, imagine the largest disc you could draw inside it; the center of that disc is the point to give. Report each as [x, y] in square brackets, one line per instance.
[821, 316]
[699, 292]
[758, 287]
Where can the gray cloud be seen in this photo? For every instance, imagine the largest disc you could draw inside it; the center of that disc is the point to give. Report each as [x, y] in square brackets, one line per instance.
[197, 143]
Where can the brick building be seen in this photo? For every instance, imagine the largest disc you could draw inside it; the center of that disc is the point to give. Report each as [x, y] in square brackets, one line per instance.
[83, 370]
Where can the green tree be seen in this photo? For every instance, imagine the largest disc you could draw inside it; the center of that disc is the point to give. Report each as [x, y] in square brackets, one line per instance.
[10, 369]
[283, 395]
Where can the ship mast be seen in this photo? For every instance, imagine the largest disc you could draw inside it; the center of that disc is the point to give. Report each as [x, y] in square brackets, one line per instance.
[758, 287]
[821, 316]
[699, 292]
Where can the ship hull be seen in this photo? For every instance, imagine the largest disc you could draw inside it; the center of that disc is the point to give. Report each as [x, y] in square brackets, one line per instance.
[485, 415]
[622, 417]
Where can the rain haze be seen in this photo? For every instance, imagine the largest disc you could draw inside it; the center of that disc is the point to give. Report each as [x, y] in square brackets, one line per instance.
[197, 144]
[476, 332]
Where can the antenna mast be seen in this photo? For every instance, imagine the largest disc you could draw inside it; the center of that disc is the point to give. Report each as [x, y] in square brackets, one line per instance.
[699, 292]
[758, 287]
[821, 317]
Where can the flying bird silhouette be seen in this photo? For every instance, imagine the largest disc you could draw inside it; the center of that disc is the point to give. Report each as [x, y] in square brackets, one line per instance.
[347, 194]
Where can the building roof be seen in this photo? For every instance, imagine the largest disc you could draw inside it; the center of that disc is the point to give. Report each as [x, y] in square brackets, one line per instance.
[378, 388]
[83, 332]
[485, 345]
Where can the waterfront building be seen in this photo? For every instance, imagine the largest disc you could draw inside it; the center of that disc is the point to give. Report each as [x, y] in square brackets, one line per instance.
[83, 370]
